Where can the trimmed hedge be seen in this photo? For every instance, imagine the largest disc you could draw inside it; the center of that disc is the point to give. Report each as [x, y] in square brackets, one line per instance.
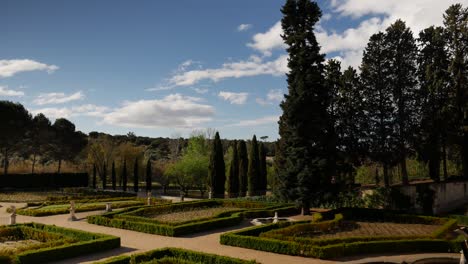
[176, 254]
[279, 238]
[44, 180]
[79, 208]
[134, 219]
[62, 243]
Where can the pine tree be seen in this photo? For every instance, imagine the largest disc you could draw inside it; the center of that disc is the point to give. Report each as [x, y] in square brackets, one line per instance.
[135, 176]
[124, 176]
[94, 176]
[104, 177]
[148, 176]
[216, 170]
[253, 173]
[434, 93]
[379, 107]
[262, 170]
[233, 179]
[350, 123]
[243, 167]
[113, 177]
[304, 125]
[401, 53]
[456, 27]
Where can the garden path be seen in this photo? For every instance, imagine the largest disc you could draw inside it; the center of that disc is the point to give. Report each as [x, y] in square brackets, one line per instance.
[133, 242]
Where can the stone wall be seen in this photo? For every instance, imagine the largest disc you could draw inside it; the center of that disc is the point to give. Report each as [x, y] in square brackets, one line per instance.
[447, 195]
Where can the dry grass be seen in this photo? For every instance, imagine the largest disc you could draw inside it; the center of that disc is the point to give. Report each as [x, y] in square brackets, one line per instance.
[357, 229]
[12, 247]
[196, 213]
[25, 197]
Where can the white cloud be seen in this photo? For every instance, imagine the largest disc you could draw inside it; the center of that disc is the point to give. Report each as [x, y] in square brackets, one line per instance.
[67, 112]
[57, 98]
[200, 90]
[268, 41]
[252, 67]
[9, 68]
[244, 27]
[234, 98]
[172, 111]
[4, 91]
[273, 96]
[257, 122]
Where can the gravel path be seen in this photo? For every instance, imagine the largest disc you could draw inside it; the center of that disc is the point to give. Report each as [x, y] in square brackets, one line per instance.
[133, 242]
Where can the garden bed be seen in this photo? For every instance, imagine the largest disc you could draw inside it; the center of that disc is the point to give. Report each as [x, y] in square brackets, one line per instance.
[190, 217]
[176, 256]
[38, 243]
[350, 232]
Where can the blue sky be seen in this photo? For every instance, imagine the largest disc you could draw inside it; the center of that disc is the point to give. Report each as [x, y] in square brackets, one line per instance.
[161, 68]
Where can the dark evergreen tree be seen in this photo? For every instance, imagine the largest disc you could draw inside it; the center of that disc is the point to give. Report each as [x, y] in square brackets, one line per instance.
[135, 176]
[456, 27]
[378, 104]
[434, 93]
[124, 176]
[262, 170]
[149, 177]
[94, 176]
[304, 126]
[233, 179]
[351, 124]
[216, 169]
[243, 168]
[253, 173]
[104, 176]
[401, 54]
[113, 177]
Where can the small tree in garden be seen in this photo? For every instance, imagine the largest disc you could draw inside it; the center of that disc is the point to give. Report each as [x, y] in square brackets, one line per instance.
[253, 173]
[114, 180]
[124, 176]
[104, 177]
[135, 176]
[216, 169]
[233, 179]
[243, 168]
[148, 176]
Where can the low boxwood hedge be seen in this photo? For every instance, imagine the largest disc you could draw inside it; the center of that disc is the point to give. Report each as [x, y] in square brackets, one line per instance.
[279, 237]
[134, 219]
[61, 243]
[176, 254]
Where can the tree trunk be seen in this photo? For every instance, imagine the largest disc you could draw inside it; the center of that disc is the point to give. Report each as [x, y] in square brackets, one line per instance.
[444, 160]
[385, 175]
[434, 168]
[377, 177]
[464, 155]
[5, 162]
[305, 208]
[164, 189]
[59, 166]
[33, 163]
[404, 171]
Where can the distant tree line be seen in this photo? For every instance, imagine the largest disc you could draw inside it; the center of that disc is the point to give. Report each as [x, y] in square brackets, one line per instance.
[409, 98]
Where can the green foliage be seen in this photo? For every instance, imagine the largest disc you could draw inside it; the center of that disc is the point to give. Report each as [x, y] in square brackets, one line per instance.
[45, 180]
[216, 169]
[253, 173]
[262, 179]
[149, 176]
[113, 176]
[233, 179]
[135, 175]
[243, 168]
[177, 255]
[124, 176]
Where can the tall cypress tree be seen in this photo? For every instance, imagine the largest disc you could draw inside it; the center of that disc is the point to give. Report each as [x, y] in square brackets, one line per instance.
[104, 177]
[135, 176]
[243, 167]
[378, 104]
[253, 173]
[216, 169]
[455, 21]
[94, 176]
[148, 176]
[434, 92]
[401, 54]
[262, 170]
[113, 177]
[304, 124]
[233, 179]
[124, 176]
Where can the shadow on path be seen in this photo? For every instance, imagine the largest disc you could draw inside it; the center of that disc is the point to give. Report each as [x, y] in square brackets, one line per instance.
[245, 223]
